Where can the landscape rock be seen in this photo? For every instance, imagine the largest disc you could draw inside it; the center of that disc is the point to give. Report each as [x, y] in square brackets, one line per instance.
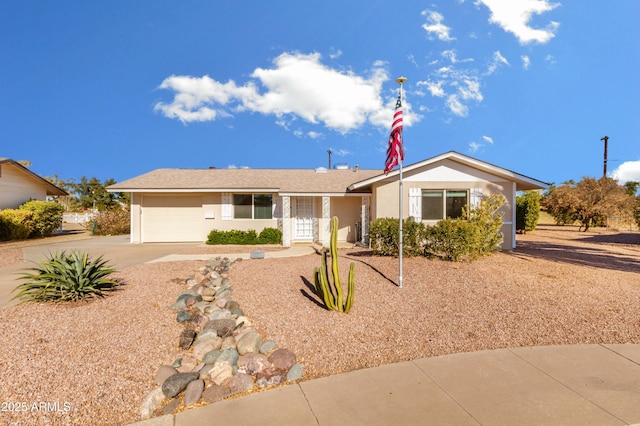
[215, 393]
[176, 383]
[241, 383]
[183, 316]
[282, 359]
[201, 348]
[151, 403]
[163, 372]
[223, 327]
[270, 377]
[186, 338]
[253, 363]
[221, 372]
[229, 355]
[211, 357]
[193, 392]
[249, 342]
[187, 364]
[257, 254]
[267, 346]
[171, 407]
[294, 373]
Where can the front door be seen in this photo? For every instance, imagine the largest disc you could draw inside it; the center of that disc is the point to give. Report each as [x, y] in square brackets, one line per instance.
[302, 218]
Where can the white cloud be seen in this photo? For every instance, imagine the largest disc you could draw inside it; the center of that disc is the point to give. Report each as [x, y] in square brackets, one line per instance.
[335, 54]
[435, 27]
[526, 62]
[488, 139]
[434, 87]
[627, 171]
[497, 61]
[474, 147]
[514, 15]
[297, 86]
[457, 107]
[314, 135]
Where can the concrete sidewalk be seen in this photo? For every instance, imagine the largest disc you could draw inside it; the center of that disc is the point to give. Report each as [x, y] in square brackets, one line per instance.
[557, 385]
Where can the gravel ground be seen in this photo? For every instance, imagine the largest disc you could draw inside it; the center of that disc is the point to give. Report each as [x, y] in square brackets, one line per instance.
[94, 362]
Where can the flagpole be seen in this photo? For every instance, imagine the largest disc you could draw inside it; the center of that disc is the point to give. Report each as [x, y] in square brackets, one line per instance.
[400, 80]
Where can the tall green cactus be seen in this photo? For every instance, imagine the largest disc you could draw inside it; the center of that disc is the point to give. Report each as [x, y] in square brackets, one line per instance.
[331, 292]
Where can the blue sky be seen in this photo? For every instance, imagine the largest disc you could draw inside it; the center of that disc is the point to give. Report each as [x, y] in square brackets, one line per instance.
[117, 89]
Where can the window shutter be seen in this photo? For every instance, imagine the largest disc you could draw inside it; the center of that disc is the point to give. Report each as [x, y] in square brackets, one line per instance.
[227, 206]
[475, 197]
[415, 203]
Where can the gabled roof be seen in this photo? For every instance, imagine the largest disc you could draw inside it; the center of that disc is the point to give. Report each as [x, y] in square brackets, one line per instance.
[523, 183]
[283, 181]
[51, 188]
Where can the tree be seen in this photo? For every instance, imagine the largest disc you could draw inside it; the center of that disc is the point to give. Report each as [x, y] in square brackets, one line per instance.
[590, 201]
[527, 211]
[632, 189]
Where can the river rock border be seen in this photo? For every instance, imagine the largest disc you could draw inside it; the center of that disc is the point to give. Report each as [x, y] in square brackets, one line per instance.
[222, 354]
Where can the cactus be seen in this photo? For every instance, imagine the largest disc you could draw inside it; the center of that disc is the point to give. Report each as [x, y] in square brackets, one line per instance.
[331, 292]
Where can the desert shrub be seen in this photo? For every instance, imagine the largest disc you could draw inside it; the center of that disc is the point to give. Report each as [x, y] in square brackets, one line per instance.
[110, 222]
[66, 277]
[527, 211]
[232, 237]
[47, 216]
[16, 224]
[451, 239]
[270, 236]
[384, 237]
[487, 219]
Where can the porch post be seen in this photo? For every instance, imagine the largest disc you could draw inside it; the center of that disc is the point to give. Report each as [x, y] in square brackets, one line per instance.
[364, 218]
[286, 221]
[325, 232]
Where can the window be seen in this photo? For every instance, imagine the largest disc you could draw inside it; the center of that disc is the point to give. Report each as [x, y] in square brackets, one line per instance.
[441, 204]
[252, 206]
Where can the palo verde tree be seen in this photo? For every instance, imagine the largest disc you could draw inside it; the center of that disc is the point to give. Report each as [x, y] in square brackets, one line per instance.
[589, 202]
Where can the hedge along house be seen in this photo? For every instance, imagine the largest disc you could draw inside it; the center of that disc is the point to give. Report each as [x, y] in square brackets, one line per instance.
[19, 185]
[180, 205]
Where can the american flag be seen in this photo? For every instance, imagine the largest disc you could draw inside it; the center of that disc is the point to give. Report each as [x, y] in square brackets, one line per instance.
[394, 150]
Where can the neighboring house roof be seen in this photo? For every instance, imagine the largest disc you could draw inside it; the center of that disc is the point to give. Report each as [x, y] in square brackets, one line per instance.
[51, 189]
[283, 181]
[523, 183]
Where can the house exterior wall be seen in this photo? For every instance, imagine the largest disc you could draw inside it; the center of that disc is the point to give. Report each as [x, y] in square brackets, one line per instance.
[16, 187]
[446, 175]
[347, 209]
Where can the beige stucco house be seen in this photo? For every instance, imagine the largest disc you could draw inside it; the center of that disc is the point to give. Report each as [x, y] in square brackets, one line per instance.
[179, 205]
[19, 185]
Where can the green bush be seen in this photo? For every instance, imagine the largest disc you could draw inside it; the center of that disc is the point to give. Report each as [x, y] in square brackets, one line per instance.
[66, 277]
[267, 236]
[47, 216]
[16, 224]
[451, 239]
[270, 236]
[384, 237]
[527, 211]
[111, 222]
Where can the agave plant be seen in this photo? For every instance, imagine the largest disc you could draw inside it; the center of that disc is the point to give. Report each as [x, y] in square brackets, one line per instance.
[66, 277]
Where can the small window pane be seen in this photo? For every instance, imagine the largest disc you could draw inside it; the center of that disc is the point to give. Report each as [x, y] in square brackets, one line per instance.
[456, 201]
[242, 206]
[262, 206]
[432, 205]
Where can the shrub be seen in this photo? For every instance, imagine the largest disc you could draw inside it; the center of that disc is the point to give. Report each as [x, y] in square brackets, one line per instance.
[110, 222]
[16, 224]
[451, 239]
[270, 236]
[47, 216]
[527, 211]
[267, 236]
[384, 237]
[66, 277]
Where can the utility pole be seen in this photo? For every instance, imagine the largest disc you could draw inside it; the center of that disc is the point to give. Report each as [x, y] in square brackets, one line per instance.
[606, 141]
[329, 152]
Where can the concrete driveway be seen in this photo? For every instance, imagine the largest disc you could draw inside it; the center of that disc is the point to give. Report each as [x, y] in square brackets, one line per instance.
[116, 249]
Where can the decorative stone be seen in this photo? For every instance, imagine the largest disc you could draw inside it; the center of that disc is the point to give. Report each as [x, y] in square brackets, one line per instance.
[193, 392]
[201, 348]
[171, 406]
[177, 363]
[201, 306]
[211, 357]
[267, 346]
[249, 342]
[183, 316]
[176, 383]
[282, 359]
[151, 403]
[294, 373]
[205, 335]
[215, 393]
[219, 314]
[224, 327]
[228, 342]
[231, 304]
[199, 320]
[187, 365]
[252, 363]
[186, 338]
[221, 372]
[237, 312]
[163, 372]
[204, 371]
[270, 377]
[223, 293]
[241, 383]
[229, 355]
[257, 254]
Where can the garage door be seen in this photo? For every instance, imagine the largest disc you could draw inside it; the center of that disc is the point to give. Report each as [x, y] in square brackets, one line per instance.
[172, 219]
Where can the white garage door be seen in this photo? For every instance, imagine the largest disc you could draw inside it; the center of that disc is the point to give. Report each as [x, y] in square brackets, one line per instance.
[172, 219]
